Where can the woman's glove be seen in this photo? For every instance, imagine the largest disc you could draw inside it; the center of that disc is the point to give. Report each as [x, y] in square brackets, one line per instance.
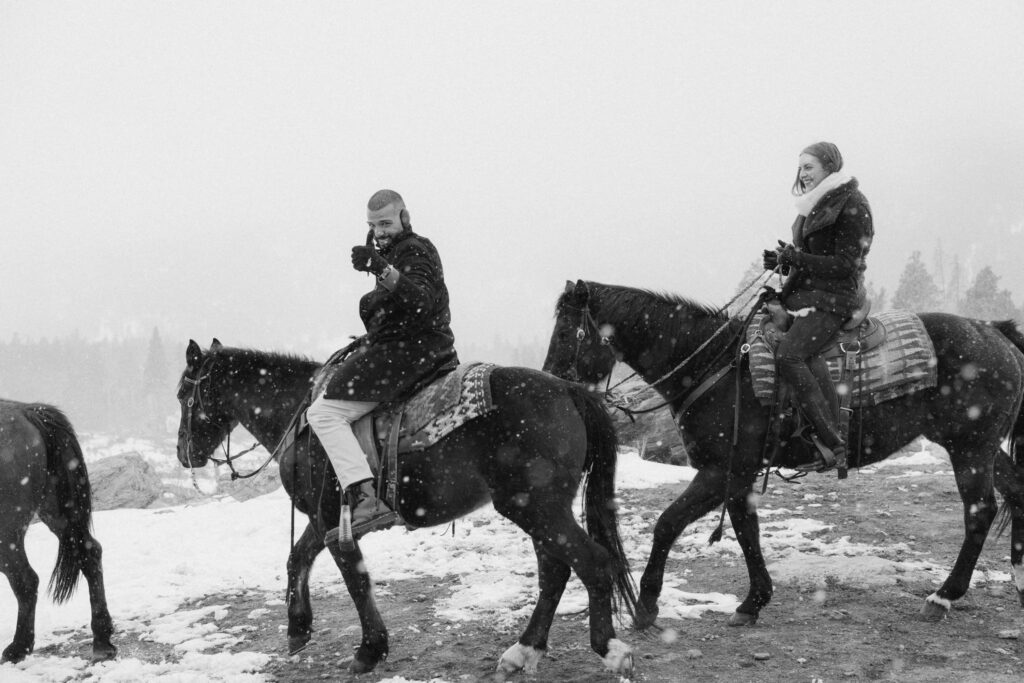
[787, 254]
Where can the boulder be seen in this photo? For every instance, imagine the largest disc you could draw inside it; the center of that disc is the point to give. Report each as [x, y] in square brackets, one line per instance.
[654, 435]
[125, 480]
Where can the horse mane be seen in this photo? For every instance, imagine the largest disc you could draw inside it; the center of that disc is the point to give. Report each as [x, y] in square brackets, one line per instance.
[271, 361]
[660, 309]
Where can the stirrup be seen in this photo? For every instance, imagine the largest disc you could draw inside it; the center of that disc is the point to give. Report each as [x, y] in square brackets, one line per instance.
[825, 460]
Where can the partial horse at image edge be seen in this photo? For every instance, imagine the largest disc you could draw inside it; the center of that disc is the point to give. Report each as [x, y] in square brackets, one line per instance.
[42, 470]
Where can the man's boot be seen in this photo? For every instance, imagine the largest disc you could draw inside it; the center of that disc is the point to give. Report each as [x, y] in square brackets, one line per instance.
[369, 513]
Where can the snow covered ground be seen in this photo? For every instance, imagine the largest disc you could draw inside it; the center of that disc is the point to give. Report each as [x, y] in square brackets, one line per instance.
[155, 560]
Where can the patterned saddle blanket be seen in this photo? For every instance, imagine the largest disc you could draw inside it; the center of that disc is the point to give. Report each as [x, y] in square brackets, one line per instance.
[893, 356]
[431, 414]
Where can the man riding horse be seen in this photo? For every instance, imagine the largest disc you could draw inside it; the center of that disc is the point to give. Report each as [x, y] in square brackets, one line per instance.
[825, 285]
[408, 341]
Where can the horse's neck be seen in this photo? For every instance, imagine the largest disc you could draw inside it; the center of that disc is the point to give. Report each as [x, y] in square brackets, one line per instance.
[265, 408]
[654, 350]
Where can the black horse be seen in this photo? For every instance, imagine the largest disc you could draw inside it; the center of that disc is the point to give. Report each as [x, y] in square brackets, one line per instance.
[527, 457]
[676, 345]
[42, 471]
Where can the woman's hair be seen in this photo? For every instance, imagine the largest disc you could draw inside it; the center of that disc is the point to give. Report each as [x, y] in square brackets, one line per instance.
[825, 152]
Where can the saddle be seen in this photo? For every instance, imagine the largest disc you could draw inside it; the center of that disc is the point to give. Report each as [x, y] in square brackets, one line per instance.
[411, 424]
[875, 360]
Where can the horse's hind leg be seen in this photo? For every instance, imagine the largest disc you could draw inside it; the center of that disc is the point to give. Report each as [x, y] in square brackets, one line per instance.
[102, 625]
[559, 536]
[974, 481]
[300, 609]
[1009, 479]
[552, 575]
[25, 584]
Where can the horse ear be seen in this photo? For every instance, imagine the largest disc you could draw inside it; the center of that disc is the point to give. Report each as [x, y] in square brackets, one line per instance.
[582, 291]
[193, 354]
[569, 286]
[215, 345]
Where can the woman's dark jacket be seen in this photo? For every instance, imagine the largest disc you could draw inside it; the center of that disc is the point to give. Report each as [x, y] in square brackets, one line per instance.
[832, 243]
[408, 335]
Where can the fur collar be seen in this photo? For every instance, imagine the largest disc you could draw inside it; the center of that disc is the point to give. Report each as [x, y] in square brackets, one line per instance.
[806, 202]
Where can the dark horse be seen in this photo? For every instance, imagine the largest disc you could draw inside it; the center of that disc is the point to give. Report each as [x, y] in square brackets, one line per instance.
[528, 457]
[42, 471]
[676, 344]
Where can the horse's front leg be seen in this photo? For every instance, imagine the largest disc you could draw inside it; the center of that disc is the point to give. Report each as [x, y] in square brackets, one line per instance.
[300, 609]
[704, 493]
[373, 647]
[743, 516]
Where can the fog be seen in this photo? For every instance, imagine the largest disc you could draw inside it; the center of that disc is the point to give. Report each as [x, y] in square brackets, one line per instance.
[204, 167]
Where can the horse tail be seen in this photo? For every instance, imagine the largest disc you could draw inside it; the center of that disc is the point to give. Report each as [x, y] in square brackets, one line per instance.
[599, 493]
[65, 465]
[1008, 328]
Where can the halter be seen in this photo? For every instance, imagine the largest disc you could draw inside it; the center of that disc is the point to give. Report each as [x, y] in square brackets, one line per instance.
[197, 397]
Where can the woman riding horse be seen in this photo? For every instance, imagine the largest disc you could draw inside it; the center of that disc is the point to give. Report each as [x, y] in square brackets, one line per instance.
[825, 265]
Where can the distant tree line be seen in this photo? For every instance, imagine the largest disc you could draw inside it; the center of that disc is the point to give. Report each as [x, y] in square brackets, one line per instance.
[920, 291]
[124, 386]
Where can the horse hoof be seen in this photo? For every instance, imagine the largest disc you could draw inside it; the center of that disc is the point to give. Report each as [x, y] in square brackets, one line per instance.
[619, 658]
[102, 652]
[297, 644]
[520, 657]
[12, 655]
[646, 614]
[935, 608]
[358, 666]
[742, 619]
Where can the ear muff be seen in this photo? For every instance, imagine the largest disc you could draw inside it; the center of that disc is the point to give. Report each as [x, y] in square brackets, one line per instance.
[404, 217]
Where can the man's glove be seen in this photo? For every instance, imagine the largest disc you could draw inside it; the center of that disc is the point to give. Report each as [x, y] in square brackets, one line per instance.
[366, 259]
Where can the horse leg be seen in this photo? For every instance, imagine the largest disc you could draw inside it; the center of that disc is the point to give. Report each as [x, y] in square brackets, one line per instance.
[25, 584]
[102, 625]
[748, 534]
[373, 646]
[974, 481]
[1009, 479]
[703, 494]
[552, 575]
[556, 532]
[300, 609]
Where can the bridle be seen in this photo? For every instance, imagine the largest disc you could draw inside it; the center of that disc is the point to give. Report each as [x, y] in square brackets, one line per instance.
[196, 397]
[587, 325]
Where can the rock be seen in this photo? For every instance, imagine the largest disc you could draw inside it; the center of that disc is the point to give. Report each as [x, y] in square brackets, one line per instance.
[653, 434]
[694, 654]
[1010, 634]
[762, 656]
[123, 481]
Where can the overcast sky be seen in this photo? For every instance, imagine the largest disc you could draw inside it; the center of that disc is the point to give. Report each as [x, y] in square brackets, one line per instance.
[204, 166]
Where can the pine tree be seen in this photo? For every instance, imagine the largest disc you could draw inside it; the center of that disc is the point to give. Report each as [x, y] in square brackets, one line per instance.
[877, 297]
[985, 301]
[917, 290]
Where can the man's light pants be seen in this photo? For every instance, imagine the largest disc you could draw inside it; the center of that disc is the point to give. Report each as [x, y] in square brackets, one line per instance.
[331, 420]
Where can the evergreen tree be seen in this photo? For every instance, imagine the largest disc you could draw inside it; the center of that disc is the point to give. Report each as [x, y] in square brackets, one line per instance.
[877, 297]
[754, 271]
[154, 373]
[984, 299]
[917, 290]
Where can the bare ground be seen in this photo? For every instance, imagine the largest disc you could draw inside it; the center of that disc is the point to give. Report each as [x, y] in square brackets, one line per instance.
[814, 629]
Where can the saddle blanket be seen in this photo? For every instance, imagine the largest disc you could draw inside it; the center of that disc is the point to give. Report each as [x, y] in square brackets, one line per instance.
[434, 412]
[901, 362]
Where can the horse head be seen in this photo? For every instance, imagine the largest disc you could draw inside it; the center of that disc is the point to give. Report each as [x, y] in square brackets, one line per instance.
[206, 418]
[580, 348]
